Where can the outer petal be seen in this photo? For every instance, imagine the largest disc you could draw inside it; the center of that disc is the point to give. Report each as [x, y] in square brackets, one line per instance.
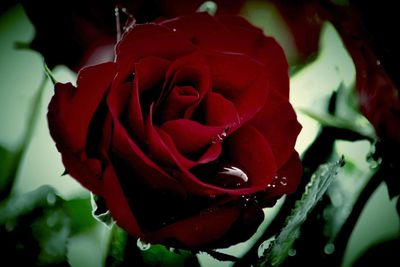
[278, 123]
[69, 116]
[117, 203]
[198, 230]
[71, 109]
[241, 80]
[145, 40]
[249, 151]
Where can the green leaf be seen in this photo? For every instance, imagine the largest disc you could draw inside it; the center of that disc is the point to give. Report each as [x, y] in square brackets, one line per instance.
[34, 229]
[20, 205]
[281, 246]
[79, 211]
[361, 127]
[158, 255]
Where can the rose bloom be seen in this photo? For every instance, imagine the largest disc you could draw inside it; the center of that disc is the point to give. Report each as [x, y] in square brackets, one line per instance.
[187, 135]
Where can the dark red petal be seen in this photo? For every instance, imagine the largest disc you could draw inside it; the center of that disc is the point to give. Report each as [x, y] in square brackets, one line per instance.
[200, 28]
[71, 109]
[292, 170]
[118, 204]
[190, 70]
[219, 111]
[180, 99]
[248, 150]
[278, 123]
[146, 40]
[198, 230]
[286, 181]
[262, 48]
[162, 148]
[127, 150]
[149, 72]
[152, 40]
[241, 80]
[86, 171]
[190, 136]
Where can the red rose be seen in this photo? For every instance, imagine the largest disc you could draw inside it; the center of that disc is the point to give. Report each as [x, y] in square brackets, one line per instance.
[188, 135]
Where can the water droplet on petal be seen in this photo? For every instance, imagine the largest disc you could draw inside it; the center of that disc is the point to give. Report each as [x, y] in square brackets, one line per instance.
[220, 137]
[278, 182]
[231, 177]
[329, 248]
[283, 181]
[174, 30]
[143, 246]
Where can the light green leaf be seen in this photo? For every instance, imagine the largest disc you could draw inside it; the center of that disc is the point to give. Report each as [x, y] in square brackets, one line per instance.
[79, 211]
[158, 255]
[280, 247]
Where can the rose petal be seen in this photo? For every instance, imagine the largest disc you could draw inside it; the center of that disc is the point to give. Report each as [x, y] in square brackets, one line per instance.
[144, 40]
[191, 70]
[190, 233]
[261, 48]
[278, 123]
[149, 73]
[241, 80]
[118, 204]
[292, 170]
[219, 111]
[71, 109]
[163, 148]
[128, 151]
[248, 150]
[180, 99]
[287, 181]
[86, 171]
[151, 40]
[190, 136]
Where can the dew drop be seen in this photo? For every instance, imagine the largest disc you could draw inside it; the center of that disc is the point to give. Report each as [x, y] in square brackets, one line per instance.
[231, 177]
[220, 137]
[329, 248]
[143, 246]
[292, 252]
[51, 199]
[174, 30]
[283, 181]
[278, 182]
[263, 247]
